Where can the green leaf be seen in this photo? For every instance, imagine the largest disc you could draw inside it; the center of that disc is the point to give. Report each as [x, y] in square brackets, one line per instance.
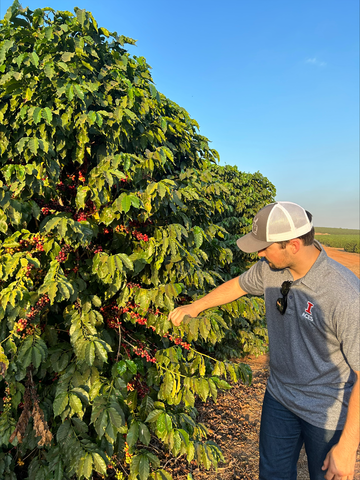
[99, 119]
[144, 467]
[49, 69]
[101, 351]
[126, 203]
[121, 367]
[59, 470]
[69, 92]
[126, 260]
[81, 196]
[80, 15]
[79, 92]
[198, 234]
[99, 463]
[51, 291]
[60, 403]
[47, 115]
[34, 59]
[92, 117]
[87, 469]
[164, 423]
[162, 475]
[34, 145]
[75, 404]
[4, 49]
[133, 434]
[37, 115]
[90, 353]
[67, 56]
[131, 366]
[154, 415]
[36, 356]
[144, 434]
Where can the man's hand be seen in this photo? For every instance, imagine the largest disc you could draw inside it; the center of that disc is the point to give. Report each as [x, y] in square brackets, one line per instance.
[177, 315]
[340, 464]
[225, 293]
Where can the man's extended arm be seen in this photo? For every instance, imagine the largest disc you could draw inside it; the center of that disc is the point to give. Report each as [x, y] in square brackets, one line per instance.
[340, 461]
[225, 293]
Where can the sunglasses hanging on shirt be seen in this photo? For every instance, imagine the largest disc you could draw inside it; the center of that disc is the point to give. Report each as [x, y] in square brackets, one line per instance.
[281, 303]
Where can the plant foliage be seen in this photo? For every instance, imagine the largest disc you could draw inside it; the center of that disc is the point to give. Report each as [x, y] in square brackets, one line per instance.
[112, 212]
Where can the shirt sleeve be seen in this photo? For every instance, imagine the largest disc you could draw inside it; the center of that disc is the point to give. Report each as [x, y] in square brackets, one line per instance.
[252, 280]
[347, 325]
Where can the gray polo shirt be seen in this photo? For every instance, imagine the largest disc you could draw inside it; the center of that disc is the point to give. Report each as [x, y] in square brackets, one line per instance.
[315, 346]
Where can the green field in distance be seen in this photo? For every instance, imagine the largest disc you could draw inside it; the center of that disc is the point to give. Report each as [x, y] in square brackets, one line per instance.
[346, 238]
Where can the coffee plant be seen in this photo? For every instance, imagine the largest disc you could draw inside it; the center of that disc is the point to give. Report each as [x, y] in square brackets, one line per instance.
[113, 211]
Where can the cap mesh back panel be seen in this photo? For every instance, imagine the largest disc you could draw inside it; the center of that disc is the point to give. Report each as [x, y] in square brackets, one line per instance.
[297, 214]
[278, 222]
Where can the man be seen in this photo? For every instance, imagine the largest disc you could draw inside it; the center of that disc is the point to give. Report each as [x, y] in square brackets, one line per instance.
[312, 310]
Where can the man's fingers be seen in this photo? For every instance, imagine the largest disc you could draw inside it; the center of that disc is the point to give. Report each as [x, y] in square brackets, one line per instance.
[326, 462]
[177, 315]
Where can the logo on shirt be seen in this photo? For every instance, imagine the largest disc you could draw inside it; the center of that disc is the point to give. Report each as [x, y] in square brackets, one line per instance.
[308, 312]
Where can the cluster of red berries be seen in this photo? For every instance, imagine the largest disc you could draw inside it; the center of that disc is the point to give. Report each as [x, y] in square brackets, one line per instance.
[134, 233]
[36, 242]
[80, 175]
[133, 285]
[39, 305]
[136, 384]
[138, 318]
[177, 341]
[23, 323]
[29, 267]
[62, 255]
[7, 398]
[141, 352]
[112, 314]
[83, 214]
[11, 251]
[80, 217]
[30, 330]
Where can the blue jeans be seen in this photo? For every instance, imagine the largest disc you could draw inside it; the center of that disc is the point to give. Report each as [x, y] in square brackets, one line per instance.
[282, 434]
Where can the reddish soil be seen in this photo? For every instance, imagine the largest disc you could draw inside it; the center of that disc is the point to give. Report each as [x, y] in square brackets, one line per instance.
[234, 420]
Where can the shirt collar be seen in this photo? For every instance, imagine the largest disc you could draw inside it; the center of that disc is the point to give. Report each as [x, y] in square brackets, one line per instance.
[311, 279]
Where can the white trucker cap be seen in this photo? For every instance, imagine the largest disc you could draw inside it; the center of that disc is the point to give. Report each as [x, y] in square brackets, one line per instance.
[277, 222]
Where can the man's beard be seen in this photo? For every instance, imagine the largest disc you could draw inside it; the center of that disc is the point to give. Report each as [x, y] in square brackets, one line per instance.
[274, 267]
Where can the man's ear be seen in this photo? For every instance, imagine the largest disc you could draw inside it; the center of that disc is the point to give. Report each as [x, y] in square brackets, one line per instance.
[295, 245]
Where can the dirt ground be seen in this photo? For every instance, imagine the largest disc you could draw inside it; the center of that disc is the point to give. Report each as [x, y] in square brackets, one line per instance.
[349, 260]
[234, 420]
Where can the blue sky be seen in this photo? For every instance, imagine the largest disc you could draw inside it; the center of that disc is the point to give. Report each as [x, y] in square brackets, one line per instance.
[273, 84]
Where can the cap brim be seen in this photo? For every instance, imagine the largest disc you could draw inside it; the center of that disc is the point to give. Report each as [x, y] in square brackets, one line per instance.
[250, 244]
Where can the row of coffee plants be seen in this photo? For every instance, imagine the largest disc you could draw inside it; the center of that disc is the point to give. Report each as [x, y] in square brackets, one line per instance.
[350, 243]
[348, 239]
[113, 211]
[337, 231]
